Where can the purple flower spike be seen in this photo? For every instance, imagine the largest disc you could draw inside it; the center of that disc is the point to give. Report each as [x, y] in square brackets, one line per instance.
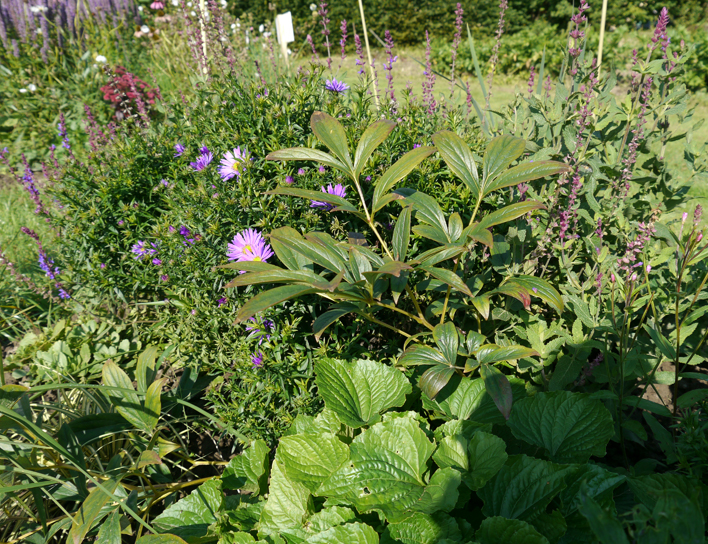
[233, 164]
[336, 86]
[257, 359]
[249, 245]
[337, 190]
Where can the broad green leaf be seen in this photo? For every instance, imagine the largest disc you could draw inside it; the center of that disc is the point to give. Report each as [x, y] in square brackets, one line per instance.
[350, 533]
[595, 482]
[486, 456]
[125, 399]
[478, 234]
[402, 234]
[434, 379]
[499, 388]
[330, 316]
[153, 405]
[452, 452]
[398, 285]
[499, 530]
[523, 487]
[359, 392]
[330, 517]
[424, 529]
[265, 300]
[147, 458]
[391, 268]
[373, 136]
[648, 489]
[508, 213]
[109, 533]
[448, 277]
[541, 289]
[426, 207]
[331, 133]
[249, 470]
[458, 157]
[303, 277]
[307, 154]
[386, 471]
[607, 528]
[419, 354]
[399, 170]
[445, 336]
[441, 492]
[552, 525]
[289, 503]
[565, 372]
[680, 517]
[663, 437]
[432, 232]
[161, 539]
[661, 342]
[468, 399]
[482, 305]
[309, 459]
[527, 171]
[491, 353]
[89, 511]
[326, 257]
[190, 517]
[292, 259]
[570, 426]
[455, 226]
[500, 153]
[146, 371]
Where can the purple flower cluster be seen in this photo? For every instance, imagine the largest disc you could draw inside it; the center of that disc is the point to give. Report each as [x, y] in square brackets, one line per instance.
[179, 149]
[503, 6]
[577, 34]
[260, 330]
[660, 32]
[629, 261]
[233, 164]
[204, 159]
[532, 78]
[336, 190]
[388, 68]
[46, 263]
[142, 250]
[456, 39]
[359, 54]
[637, 138]
[343, 40]
[429, 83]
[322, 12]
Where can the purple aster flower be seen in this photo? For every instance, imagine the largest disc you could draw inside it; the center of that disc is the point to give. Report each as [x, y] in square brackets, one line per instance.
[416, 146]
[249, 245]
[194, 312]
[156, 261]
[204, 150]
[103, 265]
[164, 277]
[221, 301]
[256, 331]
[184, 231]
[289, 180]
[179, 149]
[63, 294]
[139, 249]
[257, 359]
[171, 228]
[165, 183]
[336, 86]
[233, 163]
[202, 161]
[321, 169]
[301, 172]
[120, 222]
[337, 190]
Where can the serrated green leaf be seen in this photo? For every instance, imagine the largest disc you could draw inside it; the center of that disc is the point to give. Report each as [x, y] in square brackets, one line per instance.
[350, 533]
[309, 459]
[424, 529]
[249, 470]
[190, 517]
[570, 426]
[373, 136]
[330, 517]
[458, 157]
[523, 487]
[452, 452]
[289, 503]
[399, 170]
[607, 528]
[499, 530]
[358, 393]
[486, 456]
[595, 482]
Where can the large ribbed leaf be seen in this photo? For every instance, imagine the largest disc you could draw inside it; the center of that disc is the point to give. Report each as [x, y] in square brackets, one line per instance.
[500, 153]
[523, 488]
[249, 470]
[571, 426]
[595, 481]
[190, 517]
[499, 530]
[289, 503]
[399, 170]
[509, 213]
[265, 300]
[126, 401]
[458, 157]
[292, 259]
[386, 473]
[486, 457]
[307, 154]
[359, 392]
[539, 288]
[370, 140]
[309, 459]
[527, 171]
[350, 533]
[330, 132]
[424, 529]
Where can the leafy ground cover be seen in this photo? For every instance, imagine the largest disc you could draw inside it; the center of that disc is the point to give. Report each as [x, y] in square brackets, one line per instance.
[312, 303]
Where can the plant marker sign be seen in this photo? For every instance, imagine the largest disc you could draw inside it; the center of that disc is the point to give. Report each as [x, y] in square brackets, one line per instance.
[285, 32]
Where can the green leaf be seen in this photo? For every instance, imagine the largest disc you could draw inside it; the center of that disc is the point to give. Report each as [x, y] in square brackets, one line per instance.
[265, 300]
[289, 503]
[109, 533]
[486, 456]
[190, 517]
[570, 426]
[160, 539]
[307, 154]
[330, 517]
[293, 260]
[434, 379]
[523, 488]
[146, 371]
[419, 354]
[331, 133]
[386, 472]
[452, 452]
[565, 372]
[399, 170]
[491, 353]
[313, 249]
[424, 529]
[249, 470]
[330, 316]
[426, 208]
[280, 275]
[448, 277]
[458, 157]
[498, 387]
[607, 528]
[402, 234]
[499, 530]
[508, 213]
[391, 268]
[500, 153]
[90, 510]
[441, 492]
[661, 342]
[358, 393]
[594, 481]
[153, 405]
[350, 533]
[373, 136]
[445, 336]
[319, 196]
[309, 459]
[125, 399]
[541, 289]
[431, 232]
[526, 172]
[663, 437]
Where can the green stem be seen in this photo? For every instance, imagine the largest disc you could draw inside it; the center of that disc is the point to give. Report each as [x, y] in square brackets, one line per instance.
[383, 324]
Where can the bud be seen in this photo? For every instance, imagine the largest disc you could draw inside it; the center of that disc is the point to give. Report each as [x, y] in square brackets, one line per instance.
[648, 268]
[684, 217]
[634, 277]
[612, 277]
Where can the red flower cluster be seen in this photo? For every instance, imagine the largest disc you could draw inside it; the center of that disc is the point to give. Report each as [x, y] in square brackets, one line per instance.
[129, 94]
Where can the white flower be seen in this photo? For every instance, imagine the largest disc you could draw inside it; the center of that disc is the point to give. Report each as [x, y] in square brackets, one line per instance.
[37, 9]
[261, 28]
[193, 13]
[101, 59]
[175, 3]
[32, 87]
[223, 3]
[313, 7]
[23, 90]
[233, 26]
[145, 29]
[39, 31]
[289, 51]
[140, 8]
[189, 4]
[266, 34]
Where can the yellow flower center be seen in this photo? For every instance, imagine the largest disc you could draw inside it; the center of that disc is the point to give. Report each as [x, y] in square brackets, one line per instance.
[247, 248]
[236, 165]
[256, 258]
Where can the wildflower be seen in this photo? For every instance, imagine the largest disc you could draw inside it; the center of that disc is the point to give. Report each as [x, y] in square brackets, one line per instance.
[321, 169]
[233, 164]
[301, 172]
[23, 91]
[101, 59]
[140, 9]
[62, 131]
[257, 332]
[145, 29]
[175, 3]
[221, 302]
[141, 250]
[337, 190]
[336, 86]
[202, 161]
[289, 180]
[157, 5]
[63, 294]
[697, 214]
[165, 183]
[103, 265]
[257, 359]
[164, 277]
[156, 261]
[32, 87]
[313, 7]
[179, 149]
[249, 245]
[120, 222]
